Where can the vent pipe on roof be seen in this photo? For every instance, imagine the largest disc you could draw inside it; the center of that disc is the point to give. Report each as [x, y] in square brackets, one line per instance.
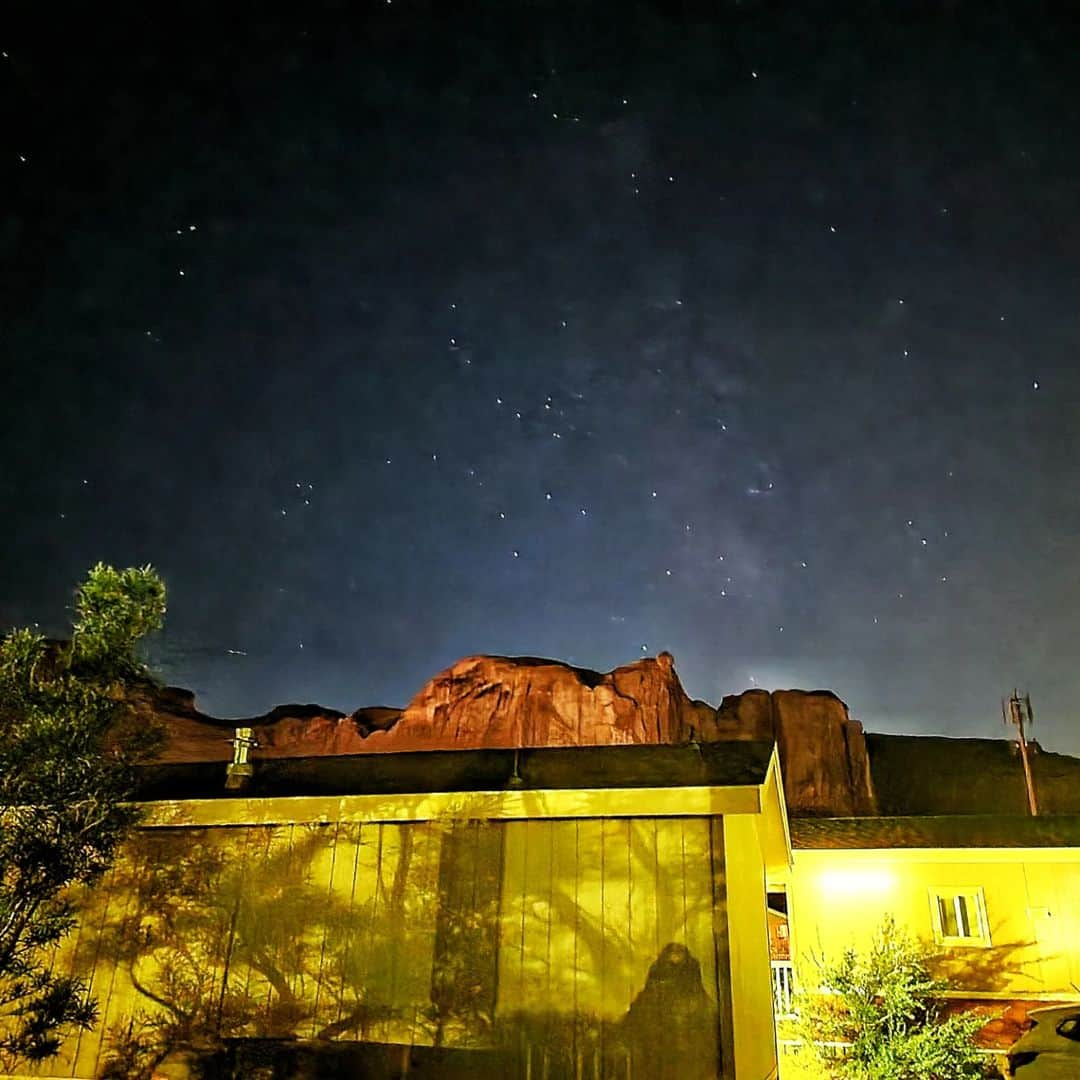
[240, 769]
[516, 780]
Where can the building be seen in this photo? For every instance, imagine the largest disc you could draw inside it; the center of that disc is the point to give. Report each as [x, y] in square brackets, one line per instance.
[581, 912]
[637, 908]
[996, 894]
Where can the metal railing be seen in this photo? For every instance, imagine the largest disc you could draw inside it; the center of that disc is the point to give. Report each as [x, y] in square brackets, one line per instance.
[783, 989]
[795, 1047]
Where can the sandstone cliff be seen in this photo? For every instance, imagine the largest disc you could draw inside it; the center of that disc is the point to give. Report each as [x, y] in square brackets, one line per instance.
[521, 701]
[491, 701]
[822, 749]
[287, 731]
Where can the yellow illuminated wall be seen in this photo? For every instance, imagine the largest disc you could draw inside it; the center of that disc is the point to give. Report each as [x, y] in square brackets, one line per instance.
[837, 899]
[589, 908]
[583, 947]
[280, 931]
[748, 936]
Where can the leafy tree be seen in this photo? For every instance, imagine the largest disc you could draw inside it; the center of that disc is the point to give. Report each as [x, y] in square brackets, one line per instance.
[884, 1003]
[69, 744]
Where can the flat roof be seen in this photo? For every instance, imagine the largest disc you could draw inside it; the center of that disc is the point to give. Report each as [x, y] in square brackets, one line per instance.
[724, 764]
[943, 831]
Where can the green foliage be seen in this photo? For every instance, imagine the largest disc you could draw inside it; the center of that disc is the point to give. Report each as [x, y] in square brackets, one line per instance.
[69, 743]
[114, 611]
[883, 1002]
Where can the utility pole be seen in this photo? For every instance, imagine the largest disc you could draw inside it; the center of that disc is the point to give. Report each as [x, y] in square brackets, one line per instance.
[1016, 710]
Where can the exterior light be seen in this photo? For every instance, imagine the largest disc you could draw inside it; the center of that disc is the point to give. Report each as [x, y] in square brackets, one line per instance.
[857, 881]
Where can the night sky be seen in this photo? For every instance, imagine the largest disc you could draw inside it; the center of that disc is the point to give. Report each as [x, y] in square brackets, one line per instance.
[395, 332]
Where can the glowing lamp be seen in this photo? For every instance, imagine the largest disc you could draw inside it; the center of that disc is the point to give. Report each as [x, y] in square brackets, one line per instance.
[857, 881]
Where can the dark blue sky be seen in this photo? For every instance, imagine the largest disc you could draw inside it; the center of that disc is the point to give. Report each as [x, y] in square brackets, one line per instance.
[392, 333]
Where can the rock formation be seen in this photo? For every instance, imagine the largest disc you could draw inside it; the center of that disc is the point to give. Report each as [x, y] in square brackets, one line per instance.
[286, 731]
[521, 701]
[492, 701]
[822, 749]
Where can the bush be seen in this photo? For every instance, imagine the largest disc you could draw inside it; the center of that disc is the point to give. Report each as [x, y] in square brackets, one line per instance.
[884, 1003]
[69, 746]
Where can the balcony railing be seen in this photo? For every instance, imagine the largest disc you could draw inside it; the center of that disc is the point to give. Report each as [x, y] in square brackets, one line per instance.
[783, 989]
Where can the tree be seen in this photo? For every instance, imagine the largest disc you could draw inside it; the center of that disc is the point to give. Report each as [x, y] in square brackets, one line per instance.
[69, 744]
[884, 1003]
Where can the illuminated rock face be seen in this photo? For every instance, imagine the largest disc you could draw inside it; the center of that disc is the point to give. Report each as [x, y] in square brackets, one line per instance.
[494, 701]
[287, 731]
[822, 749]
[505, 702]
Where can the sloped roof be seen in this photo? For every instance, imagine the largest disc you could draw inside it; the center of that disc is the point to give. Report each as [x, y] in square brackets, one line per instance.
[953, 831]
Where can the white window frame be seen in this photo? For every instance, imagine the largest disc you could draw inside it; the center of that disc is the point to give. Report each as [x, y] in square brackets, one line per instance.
[976, 911]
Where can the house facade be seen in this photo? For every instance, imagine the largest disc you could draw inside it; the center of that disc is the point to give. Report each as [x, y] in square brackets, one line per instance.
[584, 912]
[995, 895]
[579, 912]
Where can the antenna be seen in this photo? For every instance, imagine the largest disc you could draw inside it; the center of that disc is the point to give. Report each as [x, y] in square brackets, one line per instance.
[1016, 710]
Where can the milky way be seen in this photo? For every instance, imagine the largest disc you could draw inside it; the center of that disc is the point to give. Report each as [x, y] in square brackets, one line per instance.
[570, 330]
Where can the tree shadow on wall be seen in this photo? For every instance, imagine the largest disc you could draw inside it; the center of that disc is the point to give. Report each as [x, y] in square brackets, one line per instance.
[986, 968]
[669, 1031]
[390, 934]
[992, 969]
[637, 898]
[222, 941]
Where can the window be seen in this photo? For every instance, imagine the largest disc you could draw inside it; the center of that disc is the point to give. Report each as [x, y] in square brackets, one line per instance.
[959, 917]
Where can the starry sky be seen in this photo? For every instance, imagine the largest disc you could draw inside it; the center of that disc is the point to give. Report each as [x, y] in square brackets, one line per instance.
[396, 332]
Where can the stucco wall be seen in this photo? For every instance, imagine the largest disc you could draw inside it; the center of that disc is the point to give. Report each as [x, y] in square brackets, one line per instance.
[751, 978]
[837, 899]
